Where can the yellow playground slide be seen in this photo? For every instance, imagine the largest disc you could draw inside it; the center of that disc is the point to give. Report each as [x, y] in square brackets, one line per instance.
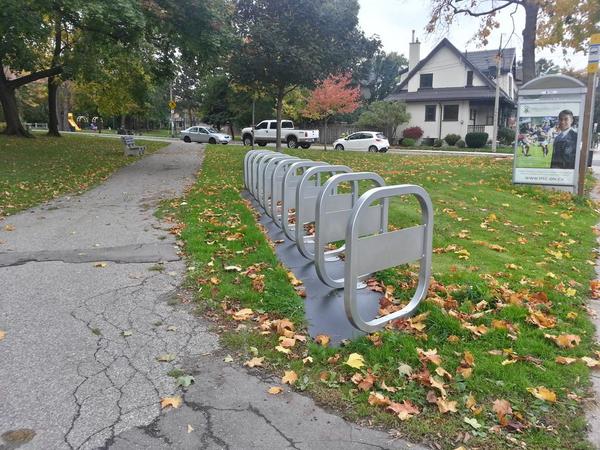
[72, 122]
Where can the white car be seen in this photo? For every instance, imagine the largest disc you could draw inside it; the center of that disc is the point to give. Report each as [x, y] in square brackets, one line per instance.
[371, 141]
[204, 134]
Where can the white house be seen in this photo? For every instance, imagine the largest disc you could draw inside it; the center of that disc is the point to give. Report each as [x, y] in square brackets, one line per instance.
[453, 92]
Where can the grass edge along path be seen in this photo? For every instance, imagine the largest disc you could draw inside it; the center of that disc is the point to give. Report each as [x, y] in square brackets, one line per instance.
[498, 355]
[36, 170]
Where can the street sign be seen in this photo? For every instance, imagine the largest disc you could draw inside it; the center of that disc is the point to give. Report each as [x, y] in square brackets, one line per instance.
[594, 54]
[172, 104]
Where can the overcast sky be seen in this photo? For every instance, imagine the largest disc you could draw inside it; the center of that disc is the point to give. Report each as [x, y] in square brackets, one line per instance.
[394, 20]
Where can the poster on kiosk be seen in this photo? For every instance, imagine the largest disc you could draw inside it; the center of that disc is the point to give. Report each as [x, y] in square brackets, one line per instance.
[548, 134]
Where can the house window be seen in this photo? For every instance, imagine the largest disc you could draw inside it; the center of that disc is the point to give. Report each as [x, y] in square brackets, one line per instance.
[472, 114]
[426, 80]
[430, 113]
[450, 113]
[470, 78]
[489, 120]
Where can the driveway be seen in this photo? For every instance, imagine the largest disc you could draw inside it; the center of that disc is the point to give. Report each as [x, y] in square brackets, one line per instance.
[89, 302]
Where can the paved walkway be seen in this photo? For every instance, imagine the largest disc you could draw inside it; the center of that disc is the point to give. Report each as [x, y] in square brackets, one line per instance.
[88, 301]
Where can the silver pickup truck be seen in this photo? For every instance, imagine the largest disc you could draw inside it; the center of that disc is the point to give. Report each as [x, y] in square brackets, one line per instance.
[266, 132]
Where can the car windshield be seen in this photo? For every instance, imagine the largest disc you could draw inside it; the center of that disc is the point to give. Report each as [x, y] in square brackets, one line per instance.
[212, 130]
[381, 136]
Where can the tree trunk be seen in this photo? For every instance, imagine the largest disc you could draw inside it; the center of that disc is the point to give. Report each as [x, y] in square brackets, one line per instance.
[8, 99]
[231, 131]
[531, 13]
[280, 94]
[325, 131]
[53, 84]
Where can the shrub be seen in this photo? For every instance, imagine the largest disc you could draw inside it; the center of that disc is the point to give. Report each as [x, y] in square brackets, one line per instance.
[506, 135]
[460, 143]
[476, 140]
[413, 132]
[408, 142]
[438, 143]
[452, 139]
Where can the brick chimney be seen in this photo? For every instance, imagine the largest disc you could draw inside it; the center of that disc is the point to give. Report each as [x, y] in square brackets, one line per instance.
[414, 52]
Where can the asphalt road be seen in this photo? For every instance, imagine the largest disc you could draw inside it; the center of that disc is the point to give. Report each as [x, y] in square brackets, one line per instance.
[90, 299]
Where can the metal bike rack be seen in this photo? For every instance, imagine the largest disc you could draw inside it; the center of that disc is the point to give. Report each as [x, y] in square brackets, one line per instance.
[248, 161]
[276, 187]
[376, 252]
[306, 202]
[288, 197]
[267, 178]
[332, 211]
[258, 167]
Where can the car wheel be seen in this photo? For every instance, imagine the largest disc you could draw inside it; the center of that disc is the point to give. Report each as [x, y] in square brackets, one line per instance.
[339, 147]
[187, 139]
[305, 146]
[292, 142]
[212, 141]
[248, 140]
[372, 148]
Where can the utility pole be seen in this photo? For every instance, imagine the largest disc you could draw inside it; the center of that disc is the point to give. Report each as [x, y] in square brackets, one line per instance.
[497, 98]
[172, 110]
[592, 69]
[253, 121]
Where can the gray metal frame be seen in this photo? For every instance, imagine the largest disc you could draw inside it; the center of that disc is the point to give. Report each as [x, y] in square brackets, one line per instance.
[267, 178]
[261, 165]
[306, 202]
[250, 166]
[277, 188]
[289, 187]
[392, 248]
[332, 212]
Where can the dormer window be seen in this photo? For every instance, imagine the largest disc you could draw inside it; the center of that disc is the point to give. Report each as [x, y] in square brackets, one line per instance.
[469, 78]
[426, 80]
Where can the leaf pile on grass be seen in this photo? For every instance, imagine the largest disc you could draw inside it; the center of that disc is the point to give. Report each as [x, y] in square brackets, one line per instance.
[33, 171]
[499, 353]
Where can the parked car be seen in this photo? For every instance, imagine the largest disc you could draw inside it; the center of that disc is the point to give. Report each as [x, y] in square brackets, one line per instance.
[204, 134]
[266, 132]
[372, 141]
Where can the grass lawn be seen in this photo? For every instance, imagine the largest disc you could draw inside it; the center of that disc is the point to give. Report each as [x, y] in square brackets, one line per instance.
[535, 158]
[35, 170]
[482, 365]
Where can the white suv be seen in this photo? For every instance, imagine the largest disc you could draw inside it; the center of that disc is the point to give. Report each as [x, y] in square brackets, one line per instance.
[372, 141]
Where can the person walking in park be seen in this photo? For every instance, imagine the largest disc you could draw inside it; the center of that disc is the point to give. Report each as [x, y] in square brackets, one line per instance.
[565, 142]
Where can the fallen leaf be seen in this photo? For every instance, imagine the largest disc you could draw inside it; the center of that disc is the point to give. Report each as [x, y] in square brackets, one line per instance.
[167, 357]
[190, 428]
[543, 394]
[100, 265]
[367, 382]
[445, 406]
[308, 360]
[185, 380]
[564, 360]
[255, 362]
[243, 314]
[295, 281]
[323, 340]
[9, 227]
[355, 360]
[284, 350]
[473, 422]
[405, 369]
[275, 390]
[232, 269]
[2, 334]
[287, 342]
[590, 362]
[173, 402]
[289, 377]
[541, 320]
[377, 399]
[228, 359]
[502, 408]
[565, 340]
[572, 315]
[404, 410]
[430, 355]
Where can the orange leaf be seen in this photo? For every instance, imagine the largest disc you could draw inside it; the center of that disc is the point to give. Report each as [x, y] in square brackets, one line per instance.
[243, 314]
[445, 406]
[323, 340]
[565, 340]
[543, 394]
[287, 342]
[377, 399]
[501, 408]
[255, 362]
[564, 360]
[404, 410]
[173, 402]
[275, 390]
[289, 377]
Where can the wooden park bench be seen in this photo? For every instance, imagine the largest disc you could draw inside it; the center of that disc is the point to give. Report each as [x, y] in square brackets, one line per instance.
[130, 148]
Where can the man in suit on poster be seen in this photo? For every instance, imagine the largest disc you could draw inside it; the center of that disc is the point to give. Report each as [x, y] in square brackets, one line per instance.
[565, 142]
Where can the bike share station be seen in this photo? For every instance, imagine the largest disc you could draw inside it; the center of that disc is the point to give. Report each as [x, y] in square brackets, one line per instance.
[291, 192]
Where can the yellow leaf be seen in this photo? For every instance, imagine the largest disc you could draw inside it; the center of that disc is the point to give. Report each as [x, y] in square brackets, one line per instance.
[565, 340]
[323, 340]
[289, 377]
[287, 342]
[173, 402]
[564, 360]
[255, 362]
[215, 280]
[572, 315]
[570, 292]
[295, 281]
[243, 314]
[543, 393]
[355, 360]
[445, 406]
[307, 360]
[275, 390]
[590, 362]
[473, 422]
[281, 349]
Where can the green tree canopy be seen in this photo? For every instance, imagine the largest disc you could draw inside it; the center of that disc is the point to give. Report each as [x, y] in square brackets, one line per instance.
[386, 116]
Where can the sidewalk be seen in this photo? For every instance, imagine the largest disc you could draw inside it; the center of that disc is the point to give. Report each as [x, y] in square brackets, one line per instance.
[90, 304]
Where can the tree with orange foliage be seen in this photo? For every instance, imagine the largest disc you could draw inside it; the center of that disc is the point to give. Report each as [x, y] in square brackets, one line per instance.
[332, 96]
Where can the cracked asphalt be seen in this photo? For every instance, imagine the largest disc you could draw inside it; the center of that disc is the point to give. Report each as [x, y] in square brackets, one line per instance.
[89, 299]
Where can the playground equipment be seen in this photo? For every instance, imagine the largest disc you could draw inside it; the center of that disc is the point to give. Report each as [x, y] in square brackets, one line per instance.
[72, 122]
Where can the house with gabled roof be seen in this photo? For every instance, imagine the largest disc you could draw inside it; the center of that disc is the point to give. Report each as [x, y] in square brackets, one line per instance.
[450, 91]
